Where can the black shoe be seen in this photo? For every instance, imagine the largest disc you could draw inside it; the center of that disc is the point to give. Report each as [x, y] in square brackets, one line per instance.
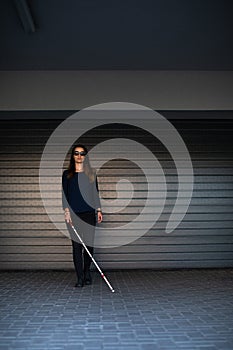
[87, 278]
[79, 284]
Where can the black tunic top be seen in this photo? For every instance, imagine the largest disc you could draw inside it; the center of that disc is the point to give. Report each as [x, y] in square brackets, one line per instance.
[79, 193]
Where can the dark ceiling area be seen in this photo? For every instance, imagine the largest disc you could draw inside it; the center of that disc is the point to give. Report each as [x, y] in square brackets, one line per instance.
[124, 35]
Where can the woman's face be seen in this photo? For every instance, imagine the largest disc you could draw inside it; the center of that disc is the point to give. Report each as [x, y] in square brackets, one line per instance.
[79, 155]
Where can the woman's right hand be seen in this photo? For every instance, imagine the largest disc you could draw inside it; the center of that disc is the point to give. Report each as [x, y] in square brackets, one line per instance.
[68, 217]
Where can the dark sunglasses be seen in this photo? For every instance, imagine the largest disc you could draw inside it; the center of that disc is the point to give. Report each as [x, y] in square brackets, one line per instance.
[82, 153]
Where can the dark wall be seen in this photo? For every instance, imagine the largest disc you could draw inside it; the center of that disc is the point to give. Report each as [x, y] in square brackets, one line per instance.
[28, 239]
[128, 35]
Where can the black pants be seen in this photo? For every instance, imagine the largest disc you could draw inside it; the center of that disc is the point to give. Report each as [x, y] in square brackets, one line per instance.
[81, 259]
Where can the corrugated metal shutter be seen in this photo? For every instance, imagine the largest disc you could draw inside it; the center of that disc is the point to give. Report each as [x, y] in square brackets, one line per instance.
[29, 240]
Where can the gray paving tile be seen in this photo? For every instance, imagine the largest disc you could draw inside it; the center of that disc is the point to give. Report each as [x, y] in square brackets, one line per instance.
[150, 310]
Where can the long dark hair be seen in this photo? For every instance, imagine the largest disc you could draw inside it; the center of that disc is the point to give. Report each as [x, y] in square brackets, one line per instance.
[86, 164]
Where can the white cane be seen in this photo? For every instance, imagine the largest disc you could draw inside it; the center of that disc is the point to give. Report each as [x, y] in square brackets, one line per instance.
[95, 263]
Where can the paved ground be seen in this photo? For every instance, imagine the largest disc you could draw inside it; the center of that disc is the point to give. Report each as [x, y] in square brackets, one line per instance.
[182, 309]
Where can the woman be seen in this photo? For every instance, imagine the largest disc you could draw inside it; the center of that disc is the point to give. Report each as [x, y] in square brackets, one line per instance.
[80, 193]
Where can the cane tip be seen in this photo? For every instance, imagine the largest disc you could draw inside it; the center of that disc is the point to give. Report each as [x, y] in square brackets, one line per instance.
[113, 291]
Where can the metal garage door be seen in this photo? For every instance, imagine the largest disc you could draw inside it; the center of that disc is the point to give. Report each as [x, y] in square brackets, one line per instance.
[204, 238]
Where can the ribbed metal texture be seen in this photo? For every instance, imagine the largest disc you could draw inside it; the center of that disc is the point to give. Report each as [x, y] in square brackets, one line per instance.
[29, 240]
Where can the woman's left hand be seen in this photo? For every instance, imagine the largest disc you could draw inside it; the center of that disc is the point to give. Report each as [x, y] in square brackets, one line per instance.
[99, 217]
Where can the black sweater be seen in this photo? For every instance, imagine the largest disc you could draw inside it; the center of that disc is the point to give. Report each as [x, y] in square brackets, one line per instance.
[79, 193]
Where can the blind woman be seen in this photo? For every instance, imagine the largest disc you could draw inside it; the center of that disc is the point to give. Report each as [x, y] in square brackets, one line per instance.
[81, 204]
